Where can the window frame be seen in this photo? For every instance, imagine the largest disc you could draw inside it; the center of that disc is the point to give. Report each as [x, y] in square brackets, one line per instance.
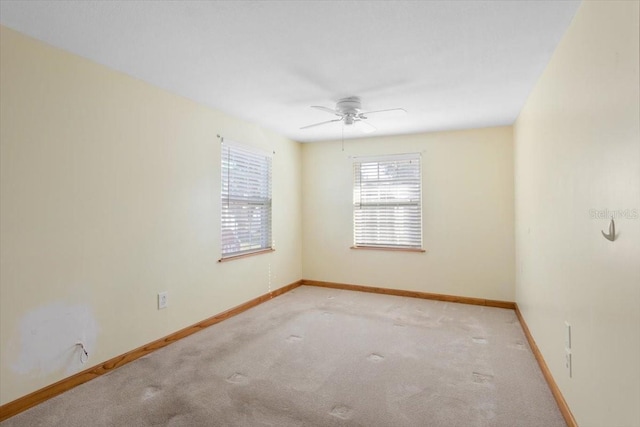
[413, 241]
[248, 194]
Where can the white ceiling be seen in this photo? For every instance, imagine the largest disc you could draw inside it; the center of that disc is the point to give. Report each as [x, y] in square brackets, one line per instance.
[450, 64]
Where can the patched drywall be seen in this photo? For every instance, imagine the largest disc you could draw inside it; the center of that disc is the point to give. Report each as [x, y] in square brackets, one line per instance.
[53, 338]
[110, 194]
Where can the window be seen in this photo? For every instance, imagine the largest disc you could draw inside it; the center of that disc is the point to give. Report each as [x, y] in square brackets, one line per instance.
[387, 210]
[246, 200]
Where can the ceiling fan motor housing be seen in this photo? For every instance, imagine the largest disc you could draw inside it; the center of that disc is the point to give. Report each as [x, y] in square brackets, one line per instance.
[349, 106]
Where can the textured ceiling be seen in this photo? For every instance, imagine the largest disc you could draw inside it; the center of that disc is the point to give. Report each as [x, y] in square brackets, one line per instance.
[450, 64]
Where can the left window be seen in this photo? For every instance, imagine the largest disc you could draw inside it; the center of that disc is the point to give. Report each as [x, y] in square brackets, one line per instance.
[246, 200]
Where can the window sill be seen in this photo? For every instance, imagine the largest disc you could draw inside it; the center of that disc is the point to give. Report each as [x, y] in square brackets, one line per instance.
[380, 248]
[246, 255]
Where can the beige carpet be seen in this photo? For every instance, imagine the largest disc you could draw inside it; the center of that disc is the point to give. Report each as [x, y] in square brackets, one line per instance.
[323, 357]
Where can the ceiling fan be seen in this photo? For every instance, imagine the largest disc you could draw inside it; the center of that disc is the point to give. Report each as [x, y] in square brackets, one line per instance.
[349, 112]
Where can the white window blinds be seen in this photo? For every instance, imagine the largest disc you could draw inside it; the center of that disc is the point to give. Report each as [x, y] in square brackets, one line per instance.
[387, 202]
[246, 200]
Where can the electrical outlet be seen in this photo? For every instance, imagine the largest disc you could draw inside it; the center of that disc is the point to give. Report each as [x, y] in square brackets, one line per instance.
[162, 300]
[567, 361]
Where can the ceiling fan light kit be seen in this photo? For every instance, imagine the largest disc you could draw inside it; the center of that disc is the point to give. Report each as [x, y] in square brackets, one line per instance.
[349, 112]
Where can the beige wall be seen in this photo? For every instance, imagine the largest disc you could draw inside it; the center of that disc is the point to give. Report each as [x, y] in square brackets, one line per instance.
[467, 186]
[110, 193]
[577, 154]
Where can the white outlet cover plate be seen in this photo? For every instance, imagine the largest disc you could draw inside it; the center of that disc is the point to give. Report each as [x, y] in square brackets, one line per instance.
[162, 300]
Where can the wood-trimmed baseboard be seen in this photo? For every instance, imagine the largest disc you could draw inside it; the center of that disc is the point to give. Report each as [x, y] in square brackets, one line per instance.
[412, 294]
[23, 403]
[562, 404]
[557, 395]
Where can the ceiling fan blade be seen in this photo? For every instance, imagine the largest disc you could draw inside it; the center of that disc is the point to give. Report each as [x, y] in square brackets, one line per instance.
[366, 127]
[321, 123]
[328, 110]
[395, 112]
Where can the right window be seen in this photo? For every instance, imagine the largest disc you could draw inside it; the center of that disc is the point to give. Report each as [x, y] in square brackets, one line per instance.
[387, 203]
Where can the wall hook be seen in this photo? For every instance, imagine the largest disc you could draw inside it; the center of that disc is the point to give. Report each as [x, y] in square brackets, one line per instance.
[612, 231]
